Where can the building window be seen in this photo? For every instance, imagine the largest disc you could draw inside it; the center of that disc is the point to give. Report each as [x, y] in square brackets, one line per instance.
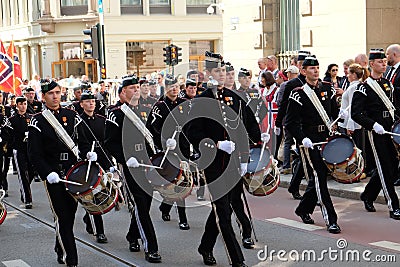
[74, 7]
[197, 50]
[198, 6]
[160, 6]
[144, 58]
[71, 51]
[131, 7]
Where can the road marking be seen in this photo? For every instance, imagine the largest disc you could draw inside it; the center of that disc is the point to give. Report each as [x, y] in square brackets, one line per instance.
[296, 224]
[387, 244]
[15, 263]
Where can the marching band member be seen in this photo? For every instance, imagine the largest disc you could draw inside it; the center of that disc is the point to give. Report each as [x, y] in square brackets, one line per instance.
[137, 184]
[94, 130]
[373, 109]
[18, 142]
[222, 173]
[3, 147]
[309, 112]
[34, 106]
[53, 161]
[155, 123]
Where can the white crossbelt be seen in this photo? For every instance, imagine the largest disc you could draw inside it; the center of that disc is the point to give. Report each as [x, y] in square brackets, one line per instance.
[317, 104]
[378, 90]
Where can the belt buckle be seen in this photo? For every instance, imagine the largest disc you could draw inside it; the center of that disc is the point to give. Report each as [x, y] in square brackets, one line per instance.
[63, 156]
[385, 114]
[321, 128]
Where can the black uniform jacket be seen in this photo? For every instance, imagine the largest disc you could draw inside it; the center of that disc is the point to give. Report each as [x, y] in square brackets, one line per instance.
[46, 150]
[303, 119]
[367, 107]
[18, 128]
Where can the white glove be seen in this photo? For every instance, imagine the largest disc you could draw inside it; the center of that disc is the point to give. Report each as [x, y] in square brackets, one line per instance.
[1, 139]
[132, 162]
[307, 143]
[265, 137]
[343, 114]
[277, 131]
[243, 169]
[113, 169]
[378, 128]
[91, 156]
[53, 178]
[171, 143]
[227, 146]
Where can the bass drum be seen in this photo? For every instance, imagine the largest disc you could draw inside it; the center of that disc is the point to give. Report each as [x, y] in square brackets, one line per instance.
[262, 177]
[3, 211]
[172, 182]
[343, 159]
[98, 194]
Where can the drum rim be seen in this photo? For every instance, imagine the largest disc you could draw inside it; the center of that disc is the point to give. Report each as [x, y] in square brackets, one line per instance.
[335, 137]
[3, 214]
[271, 157]
[393, 126]
[108, 208]
[90, 189]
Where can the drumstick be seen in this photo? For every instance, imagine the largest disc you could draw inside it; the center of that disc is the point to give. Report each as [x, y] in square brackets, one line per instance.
[316, 144]
[90, 162]
[391, 133]
[262, 151]
[333, 123]
[166, 151]
[149, 166]
[70, 182]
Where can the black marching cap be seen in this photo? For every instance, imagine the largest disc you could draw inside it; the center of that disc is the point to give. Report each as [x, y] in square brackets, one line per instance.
[310, 61]
[47, 85]
[376, 53]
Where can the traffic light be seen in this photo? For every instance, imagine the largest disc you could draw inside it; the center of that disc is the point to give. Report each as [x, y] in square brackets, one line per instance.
[103, 73]
[92, 45]
[167, 55]
[175, 55]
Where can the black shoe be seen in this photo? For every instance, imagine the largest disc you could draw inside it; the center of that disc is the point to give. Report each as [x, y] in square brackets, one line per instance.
[152, 257]
[184, 226]
[397, 182]
[89, 228]
[208, 257]
[71, 265]
[60, 259]
[6, 193]
[368, 204]
[305, 217]
[395, 214]
[241, 264]
[165, 217]
[134, 246]
[37, 179]
[28, 205]
[248, 243]
[296, 195]
[201, 198]
[333, 228]
[101, 238]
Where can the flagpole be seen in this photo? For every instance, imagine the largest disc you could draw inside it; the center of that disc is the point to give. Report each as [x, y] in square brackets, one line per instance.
[12, 61]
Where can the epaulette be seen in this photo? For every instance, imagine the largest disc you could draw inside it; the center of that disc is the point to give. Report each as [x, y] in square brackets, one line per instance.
[295, 96]
[100, 116]
[361, 88]
[298, 88]
[115, 108]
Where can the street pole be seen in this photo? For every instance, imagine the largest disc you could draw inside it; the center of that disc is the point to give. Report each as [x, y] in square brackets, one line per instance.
[102, 56]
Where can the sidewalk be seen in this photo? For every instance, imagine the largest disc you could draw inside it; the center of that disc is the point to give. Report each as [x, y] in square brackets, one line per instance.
[351, 191]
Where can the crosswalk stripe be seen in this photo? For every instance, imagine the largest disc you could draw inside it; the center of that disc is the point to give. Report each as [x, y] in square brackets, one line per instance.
[387, 244]
[16, 263]
[296, 224]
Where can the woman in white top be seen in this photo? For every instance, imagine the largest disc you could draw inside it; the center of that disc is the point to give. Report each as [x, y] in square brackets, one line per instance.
[355, 75]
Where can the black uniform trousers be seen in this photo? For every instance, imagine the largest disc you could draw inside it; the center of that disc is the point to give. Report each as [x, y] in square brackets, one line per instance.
[166, 207]
[223, 209]
[310, 197]
[64, 207]
[25, 174]
[238, 209]
[387, 157]
[133, 232]
[142, 210]
[3, 176]
[98, 222]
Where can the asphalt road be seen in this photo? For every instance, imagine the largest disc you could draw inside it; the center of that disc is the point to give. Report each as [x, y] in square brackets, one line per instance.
[25, 241]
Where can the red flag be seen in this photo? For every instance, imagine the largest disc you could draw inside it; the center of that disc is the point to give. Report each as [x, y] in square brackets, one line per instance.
[16, 66]
[6, 70]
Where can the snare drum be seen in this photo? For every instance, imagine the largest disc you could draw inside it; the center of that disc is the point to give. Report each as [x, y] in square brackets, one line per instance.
[174, 181]
[98, 194]
[262, 177]
[3, 210]
[395, 138]
[343, 159]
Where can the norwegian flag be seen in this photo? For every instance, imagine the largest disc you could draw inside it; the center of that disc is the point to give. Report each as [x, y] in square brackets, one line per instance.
[268, 123]
[6, 70]
[16, 67]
